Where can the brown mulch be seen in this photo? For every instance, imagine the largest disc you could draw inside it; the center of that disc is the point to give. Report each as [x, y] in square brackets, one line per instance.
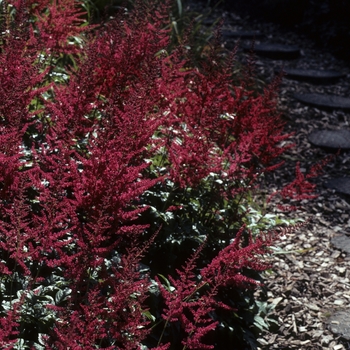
[310, 278]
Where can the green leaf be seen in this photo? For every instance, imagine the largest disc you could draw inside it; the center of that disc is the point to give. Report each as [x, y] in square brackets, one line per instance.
[179, 7]
[167, 285]
[149, 315]
[59, 296]
[260, 323]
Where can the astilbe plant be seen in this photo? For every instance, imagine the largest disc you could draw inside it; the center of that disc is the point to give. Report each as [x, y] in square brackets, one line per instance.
[124, 170]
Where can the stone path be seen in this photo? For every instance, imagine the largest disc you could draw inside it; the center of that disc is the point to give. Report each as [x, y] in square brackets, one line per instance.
[312, 75]
[340, 185]
[324, 101]
[228, 34]
[274, 51]
[331, 140]
[317, 94]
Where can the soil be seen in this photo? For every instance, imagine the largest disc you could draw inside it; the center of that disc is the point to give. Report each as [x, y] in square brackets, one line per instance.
[309, 282]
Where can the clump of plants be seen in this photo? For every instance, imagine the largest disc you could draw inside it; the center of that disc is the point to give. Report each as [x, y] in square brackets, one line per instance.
[126, 178]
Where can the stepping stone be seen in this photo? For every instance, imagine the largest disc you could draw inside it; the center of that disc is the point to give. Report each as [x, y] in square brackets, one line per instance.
[274, 51]
[330, 139]
[312, 75]
[339, 323]
[342, 243]
[241, 34]
[340, 184]
[207, 21]
[324, 101]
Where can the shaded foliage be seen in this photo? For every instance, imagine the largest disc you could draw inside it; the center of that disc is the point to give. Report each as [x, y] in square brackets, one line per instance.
[126, 176]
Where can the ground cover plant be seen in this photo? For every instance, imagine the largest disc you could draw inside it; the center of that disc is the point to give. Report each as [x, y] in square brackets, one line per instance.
[127, 177]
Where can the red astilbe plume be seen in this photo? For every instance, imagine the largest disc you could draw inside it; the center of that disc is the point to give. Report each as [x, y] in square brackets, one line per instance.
[54, 24]
[192, 157]
[215, 126]
[19, 78]
[74, 201]
[192, 153]
[112, 311]
[57, 25]
[189, 303]
[226, 269]
[9, 328]
[301, 188]
[93, 163]
[95, 187]
[254, 135]
[128, 54]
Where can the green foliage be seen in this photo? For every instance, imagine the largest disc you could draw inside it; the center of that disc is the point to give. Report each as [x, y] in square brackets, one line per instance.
[264, 316]
[38, 314]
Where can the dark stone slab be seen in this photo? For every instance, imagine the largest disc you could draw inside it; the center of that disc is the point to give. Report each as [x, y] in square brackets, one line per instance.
[312, 75]
[340, 184]
[241, 34]
[339, 323]
[207, 21]
[342, 243]
[330, 139]
[324, 101]
[274, 51]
